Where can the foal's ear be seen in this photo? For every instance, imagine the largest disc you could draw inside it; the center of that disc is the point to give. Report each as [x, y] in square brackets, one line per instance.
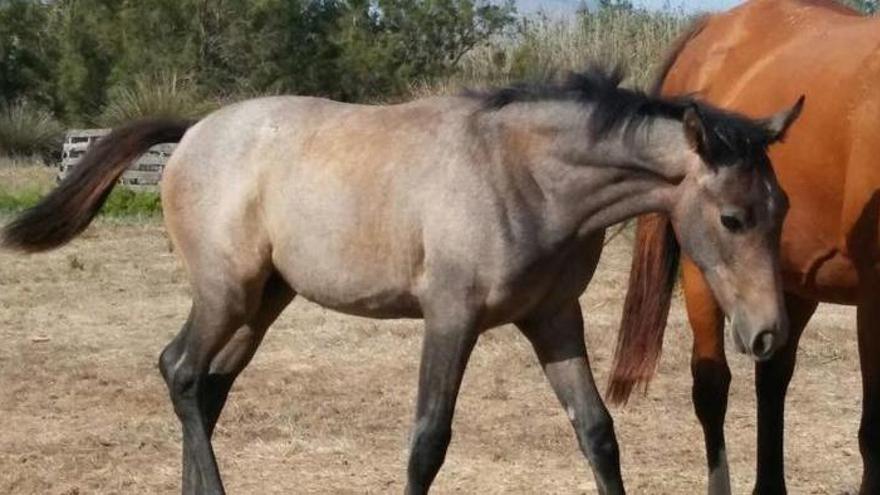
[695, 130]
[777, 125]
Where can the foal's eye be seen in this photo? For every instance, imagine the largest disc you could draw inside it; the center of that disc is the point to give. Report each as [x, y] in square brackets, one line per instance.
[732, 223]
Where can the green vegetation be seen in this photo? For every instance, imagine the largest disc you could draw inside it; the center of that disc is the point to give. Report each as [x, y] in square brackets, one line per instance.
[121, 203]
[98, 63]
[127, 203]
[79, 57]
[83, 63]
[12, 201]
[24, 181]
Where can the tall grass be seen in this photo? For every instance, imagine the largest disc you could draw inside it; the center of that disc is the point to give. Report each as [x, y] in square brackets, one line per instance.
[27, 130]
[542, 48]
[160, 95]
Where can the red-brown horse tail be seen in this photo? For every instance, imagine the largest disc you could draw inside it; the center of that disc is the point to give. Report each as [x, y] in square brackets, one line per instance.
[70, 207]
[651, 282]
[652, 276]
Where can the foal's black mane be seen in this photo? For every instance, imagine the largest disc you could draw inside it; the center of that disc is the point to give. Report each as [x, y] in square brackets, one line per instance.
[615, 107]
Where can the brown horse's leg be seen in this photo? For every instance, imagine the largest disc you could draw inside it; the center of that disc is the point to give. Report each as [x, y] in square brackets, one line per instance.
[771, 383]
[869, 356]
[201, 363]
[710, 373]
[558, 341]
[449, 340]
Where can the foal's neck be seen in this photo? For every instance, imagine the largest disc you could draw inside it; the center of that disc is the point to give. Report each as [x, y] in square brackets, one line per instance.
[592, 183]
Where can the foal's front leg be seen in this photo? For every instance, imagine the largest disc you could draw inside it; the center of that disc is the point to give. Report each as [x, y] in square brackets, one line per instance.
[450, 337]
[558, 341]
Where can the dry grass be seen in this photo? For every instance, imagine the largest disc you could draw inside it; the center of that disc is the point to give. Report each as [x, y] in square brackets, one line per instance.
[543, 48]
[326, 405]
[28, 130]
[18, 174]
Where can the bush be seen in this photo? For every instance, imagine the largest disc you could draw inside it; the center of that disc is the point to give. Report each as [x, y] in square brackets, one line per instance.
[126, 203]
[163, 95]
[27, 130]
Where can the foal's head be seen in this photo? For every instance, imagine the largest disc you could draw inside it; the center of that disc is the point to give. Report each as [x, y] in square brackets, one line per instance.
[727, 213]
[708, 171]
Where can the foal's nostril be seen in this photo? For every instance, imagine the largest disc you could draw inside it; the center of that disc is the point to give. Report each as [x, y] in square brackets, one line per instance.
[762, 345]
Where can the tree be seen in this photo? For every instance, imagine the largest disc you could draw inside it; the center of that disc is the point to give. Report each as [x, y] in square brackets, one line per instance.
[89, 46]
[78, 55]
[386, 45]
[155, 36]
[27, 53]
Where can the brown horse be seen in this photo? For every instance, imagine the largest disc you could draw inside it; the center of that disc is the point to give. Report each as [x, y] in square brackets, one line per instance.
[752, 58]
[469, 212]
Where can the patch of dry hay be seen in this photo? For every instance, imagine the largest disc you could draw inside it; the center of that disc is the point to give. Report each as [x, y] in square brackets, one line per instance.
[326, 405]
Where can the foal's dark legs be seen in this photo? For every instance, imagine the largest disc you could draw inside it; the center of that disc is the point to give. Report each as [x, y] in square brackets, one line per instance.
[869, 356]
[450, 337]
[558, 341]
[200, 366]
[771, 384]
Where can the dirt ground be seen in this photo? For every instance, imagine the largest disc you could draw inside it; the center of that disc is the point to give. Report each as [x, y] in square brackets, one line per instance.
[325, 407]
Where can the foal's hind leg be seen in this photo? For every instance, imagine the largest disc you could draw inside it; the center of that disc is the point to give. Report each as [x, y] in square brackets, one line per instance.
[558, 341]
[202, 362]
[771, 384]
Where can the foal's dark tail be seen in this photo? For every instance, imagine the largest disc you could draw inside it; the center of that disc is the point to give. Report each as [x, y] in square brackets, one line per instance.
[70, 207]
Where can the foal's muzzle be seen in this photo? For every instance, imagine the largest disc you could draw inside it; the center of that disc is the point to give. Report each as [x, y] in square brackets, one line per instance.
[759, 345]
[763, 345]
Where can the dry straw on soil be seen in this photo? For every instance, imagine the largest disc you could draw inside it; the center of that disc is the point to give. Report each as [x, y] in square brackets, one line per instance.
[326, 406]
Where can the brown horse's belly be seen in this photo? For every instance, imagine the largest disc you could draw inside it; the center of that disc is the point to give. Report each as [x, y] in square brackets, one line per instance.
[828, 276]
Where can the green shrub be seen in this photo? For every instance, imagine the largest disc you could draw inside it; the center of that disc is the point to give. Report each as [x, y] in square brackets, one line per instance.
[27, 130]
[19, 195]
[13, 201]
[127, 203]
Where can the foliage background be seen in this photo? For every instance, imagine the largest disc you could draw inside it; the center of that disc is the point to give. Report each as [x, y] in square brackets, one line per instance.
[85, 63]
